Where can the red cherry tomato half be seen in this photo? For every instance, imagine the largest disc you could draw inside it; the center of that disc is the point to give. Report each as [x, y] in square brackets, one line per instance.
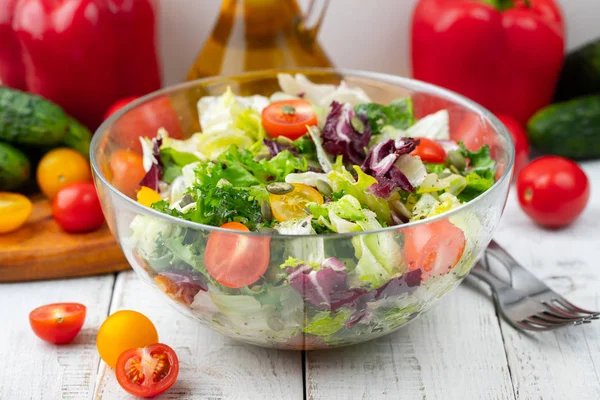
[127, 171]
[147, 371]
[236, 260]
[553, 191]
[144, 120]
[519, 136]
[435, 248]
[429, 151]
[288, 118]
[76, 208]
[57, 323]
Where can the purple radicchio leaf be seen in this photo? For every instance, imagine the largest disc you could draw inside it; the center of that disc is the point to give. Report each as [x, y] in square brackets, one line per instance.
[406, 283]
[154, 174]
[341, 138]
[276, 147]
[317, 286]
[380, 164]
[187, 283]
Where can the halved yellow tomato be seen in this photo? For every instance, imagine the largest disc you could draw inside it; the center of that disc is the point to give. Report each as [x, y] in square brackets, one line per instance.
[292, 205]
[147, 196]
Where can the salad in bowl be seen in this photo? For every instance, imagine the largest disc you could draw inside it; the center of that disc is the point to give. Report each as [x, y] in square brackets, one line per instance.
[315, 215]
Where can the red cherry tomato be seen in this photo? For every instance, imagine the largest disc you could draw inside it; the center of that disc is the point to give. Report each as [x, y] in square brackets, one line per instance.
[429, 151]
[519, 136]
[147, 371]
[57, 323]
[553, 191]
[435, 248]
[127, 170]
[288, 118]
[144, 120]
[76, 208]
[236, 260]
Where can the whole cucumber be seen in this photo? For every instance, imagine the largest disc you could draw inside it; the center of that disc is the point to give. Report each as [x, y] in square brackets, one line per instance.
[570, 129]
[15, 168]
[78, 137]
[30, 120]
[580, 75]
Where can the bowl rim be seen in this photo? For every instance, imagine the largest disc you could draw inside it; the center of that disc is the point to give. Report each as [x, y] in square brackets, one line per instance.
[409, 83]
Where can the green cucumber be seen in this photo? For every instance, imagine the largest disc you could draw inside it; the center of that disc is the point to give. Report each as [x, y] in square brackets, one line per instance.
[581, 73]
[570, 129]
[15, 168]
[78, 137]
[28, 119]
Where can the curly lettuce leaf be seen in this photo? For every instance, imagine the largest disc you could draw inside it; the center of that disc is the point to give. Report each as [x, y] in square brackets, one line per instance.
[480, 173]
[343, 181]
[399, 114]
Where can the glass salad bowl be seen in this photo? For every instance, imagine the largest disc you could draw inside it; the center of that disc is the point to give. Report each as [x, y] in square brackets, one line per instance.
[319, 290]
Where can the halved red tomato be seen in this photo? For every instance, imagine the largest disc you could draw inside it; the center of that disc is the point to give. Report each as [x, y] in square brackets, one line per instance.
[288, 118]
[147, 371]
[429, 151]
[435, 248]
[57, 323]
[236, 260]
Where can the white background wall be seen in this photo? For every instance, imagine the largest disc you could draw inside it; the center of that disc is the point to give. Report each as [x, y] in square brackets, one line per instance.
[377, 31]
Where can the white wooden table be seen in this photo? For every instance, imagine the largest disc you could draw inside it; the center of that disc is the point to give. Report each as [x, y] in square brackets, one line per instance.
[459, 350]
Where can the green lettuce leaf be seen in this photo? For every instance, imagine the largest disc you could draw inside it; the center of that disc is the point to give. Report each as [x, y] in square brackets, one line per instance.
[480, 172]
[325, 323]
[399, 114]
[172, 161]
[342, 181]
[476, 185]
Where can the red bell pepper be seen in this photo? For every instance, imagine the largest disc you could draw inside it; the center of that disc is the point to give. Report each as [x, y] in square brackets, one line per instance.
[12, 72]
[86, 54]
[504, 54]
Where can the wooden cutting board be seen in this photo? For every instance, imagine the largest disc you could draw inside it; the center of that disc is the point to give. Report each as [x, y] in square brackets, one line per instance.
[41, 250]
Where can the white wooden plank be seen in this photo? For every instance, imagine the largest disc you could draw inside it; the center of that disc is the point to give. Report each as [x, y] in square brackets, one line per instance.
[33, 369]
[211, 365]
[453, 352]
[563, 364]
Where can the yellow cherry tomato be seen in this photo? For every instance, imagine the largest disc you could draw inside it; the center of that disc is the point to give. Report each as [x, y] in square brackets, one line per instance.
[14, 211]
[293, 204]
[124, 330]
[147, 196]
[59, 168]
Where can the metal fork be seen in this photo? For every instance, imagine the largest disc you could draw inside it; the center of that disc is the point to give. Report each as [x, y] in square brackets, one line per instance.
[527, 303]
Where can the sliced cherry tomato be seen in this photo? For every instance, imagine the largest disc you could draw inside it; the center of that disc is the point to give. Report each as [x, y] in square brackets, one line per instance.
[288, 118]
[144, 120]
[147, 196]
[292, 205]
[429, 151]
[236, 260]
[57, 323]
[553, 191]
[124, 330]
[76, 208]
[148, 371]
[15, 209]
[59, 168]
[435, 247]
[519, 136]
[127, 171]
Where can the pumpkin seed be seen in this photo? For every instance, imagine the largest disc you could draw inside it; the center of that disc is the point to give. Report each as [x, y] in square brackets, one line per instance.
[267, 231]
[324, 188]
[288, 109]
[457, 159]
[357, 124]
[400, 210]
[275, 323]
[265, 210]
[279, 188]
